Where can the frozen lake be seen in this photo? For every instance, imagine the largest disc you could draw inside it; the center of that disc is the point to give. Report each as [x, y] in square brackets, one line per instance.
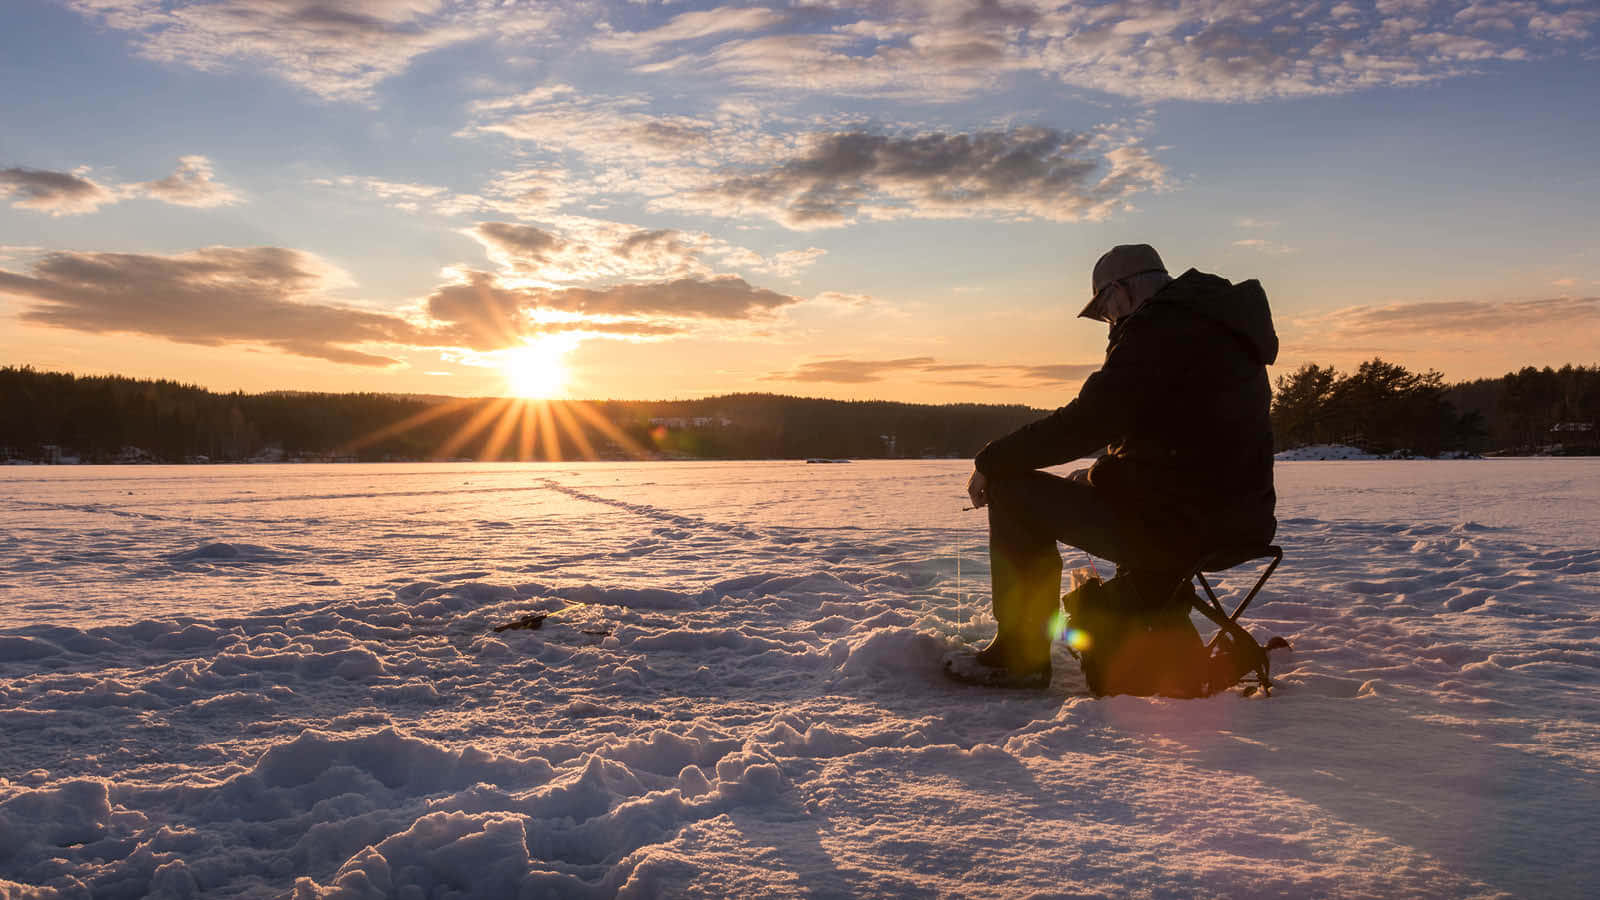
[262, 679]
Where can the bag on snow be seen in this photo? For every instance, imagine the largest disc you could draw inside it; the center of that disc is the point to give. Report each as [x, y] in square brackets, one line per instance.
[1123, 651]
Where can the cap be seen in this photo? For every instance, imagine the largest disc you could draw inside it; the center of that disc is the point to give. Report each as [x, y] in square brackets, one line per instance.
[1121, 261]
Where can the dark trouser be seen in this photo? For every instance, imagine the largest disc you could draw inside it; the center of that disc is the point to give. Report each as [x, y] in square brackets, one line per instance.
[1028, 514]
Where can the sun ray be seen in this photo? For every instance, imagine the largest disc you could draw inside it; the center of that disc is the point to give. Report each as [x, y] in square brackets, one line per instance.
[526, 433]
[406, 424]
[547, 426]
[608, 428]
[494, 318]
[470, 429]
[501, 435]
[573, 429]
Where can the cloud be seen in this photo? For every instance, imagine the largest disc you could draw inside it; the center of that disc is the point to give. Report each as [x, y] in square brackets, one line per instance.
[687, 27]
[399, 194]
[1058, 373]
[528, 191]
[193, 184]
[276, 297]
[721, 297]
[64, 194]
[852, 371]
[788, 263]
[732, 165]
[589, 250]
[482, 313]
[1230, 50]
[564, 248]
[336, 49]
[56, 193]
[1202, 50]
[607, 129]
[983, 375]
[1566, 25]
[517, 192]
[1263, 245]
[267, 296]
[1023, 172]
[1457, 318]
[580, 249]
[932, 64]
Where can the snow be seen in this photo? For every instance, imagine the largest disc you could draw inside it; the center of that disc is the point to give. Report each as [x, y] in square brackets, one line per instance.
[275, 681]
[1323, 452]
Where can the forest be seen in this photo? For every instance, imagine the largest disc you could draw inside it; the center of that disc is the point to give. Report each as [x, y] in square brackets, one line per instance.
[51, 416]
[1381, 407]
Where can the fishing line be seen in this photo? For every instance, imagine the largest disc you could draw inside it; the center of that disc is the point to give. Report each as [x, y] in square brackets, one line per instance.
[961, 598]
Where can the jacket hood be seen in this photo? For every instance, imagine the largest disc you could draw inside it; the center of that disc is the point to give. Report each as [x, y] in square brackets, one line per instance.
[1241, 308]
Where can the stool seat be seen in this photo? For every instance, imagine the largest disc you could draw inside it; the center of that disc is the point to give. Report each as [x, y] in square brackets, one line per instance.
[1254, 656]
[1225, 558]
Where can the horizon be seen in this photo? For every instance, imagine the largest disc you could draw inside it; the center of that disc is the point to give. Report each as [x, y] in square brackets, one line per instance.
[903, 203]
[1448, 384]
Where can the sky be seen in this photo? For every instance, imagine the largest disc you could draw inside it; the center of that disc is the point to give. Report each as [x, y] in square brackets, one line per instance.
[892, 200]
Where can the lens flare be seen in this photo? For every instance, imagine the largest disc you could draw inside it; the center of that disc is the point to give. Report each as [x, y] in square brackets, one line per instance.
[1077, 639]
[1058, 625]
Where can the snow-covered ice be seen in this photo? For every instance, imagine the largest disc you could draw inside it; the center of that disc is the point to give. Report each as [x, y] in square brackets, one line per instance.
[1323, 452]
[283, 680]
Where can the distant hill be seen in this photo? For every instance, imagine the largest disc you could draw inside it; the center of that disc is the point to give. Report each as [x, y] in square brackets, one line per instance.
[50, 416]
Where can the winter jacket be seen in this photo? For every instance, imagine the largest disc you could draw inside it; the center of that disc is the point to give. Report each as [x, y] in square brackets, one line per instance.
[1181, 405]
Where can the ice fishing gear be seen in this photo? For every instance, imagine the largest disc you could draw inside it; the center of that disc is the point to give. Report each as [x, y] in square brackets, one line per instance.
[531, 620]
[1131, 636]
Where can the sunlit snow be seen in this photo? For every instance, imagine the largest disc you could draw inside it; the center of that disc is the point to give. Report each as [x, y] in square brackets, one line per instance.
[272, 680]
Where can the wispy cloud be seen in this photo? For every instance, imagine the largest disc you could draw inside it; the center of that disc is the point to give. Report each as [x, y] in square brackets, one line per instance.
[56, 193]
[923, 59]
[1457, 318]
[64, 194]
[574, 249]
[336, 49]
[616, 130]
[591, 250]
[723, 166]
[928, 369]
[1263, 245]
[481, 312]
[515, 192]
[193, 184]
[1025, 172]
[1207, 50]
[689, 26]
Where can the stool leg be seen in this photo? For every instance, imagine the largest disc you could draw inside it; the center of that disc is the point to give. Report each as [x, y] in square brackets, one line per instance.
[1229, 623]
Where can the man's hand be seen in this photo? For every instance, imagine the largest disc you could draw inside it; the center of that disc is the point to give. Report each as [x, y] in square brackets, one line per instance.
[978, 490]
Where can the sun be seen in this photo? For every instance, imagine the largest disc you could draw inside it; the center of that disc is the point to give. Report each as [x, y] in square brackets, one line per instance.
[535, 371]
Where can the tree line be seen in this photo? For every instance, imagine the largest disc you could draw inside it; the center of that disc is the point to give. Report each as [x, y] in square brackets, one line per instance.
[47, 415]
[1385, 408]
[1381, 407]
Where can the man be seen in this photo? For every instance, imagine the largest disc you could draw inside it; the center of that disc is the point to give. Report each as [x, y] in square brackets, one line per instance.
[1181, 405]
